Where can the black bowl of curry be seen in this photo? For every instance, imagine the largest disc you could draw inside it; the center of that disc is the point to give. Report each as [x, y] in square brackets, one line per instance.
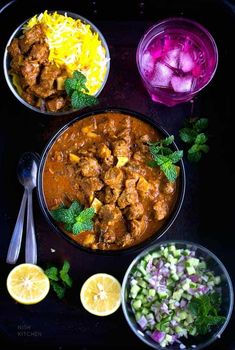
[97, 186]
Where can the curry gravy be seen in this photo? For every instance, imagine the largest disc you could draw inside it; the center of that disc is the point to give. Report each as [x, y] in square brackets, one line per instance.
[104, 158]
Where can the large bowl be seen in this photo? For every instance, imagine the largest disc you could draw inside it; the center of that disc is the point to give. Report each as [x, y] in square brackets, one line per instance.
[159, 233]
[215, 265]
[7, 59]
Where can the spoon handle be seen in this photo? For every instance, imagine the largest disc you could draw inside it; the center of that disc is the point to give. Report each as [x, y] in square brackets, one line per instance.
[31, 244]
[14, 247]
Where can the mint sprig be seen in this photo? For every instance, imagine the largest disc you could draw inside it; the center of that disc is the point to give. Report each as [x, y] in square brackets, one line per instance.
[205, 310]
[76, 89]
[193, 135]
[164, 157]
[75, 218]
[60, 280]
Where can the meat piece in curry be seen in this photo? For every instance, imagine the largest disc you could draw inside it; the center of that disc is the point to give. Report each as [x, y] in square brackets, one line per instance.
[101, 161]
[39, 79]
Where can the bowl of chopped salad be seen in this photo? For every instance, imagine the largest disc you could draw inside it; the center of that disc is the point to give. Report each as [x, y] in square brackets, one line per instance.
[177, 295]
[56, 63]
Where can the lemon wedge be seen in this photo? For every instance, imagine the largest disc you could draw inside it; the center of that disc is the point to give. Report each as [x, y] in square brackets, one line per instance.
[101, 294]
[28, 284]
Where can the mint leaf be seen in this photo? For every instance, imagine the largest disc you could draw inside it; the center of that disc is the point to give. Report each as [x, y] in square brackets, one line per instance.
[70, 85]
[59, 280]
[84, 221]
[201, 139]
[59, 290]
[64, 274]
[67, 215]
[205, 310]
[164, 157]
[200, 124]
[169, 170]
[52, 273]
[192, 135]
[168, 140]
[80, 100]
[204, 148]
[187, 135]
[194, 157]
[175, 156]
[76, 208]
[80, 80]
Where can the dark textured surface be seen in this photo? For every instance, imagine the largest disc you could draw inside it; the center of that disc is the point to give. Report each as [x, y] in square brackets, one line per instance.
[208, 209]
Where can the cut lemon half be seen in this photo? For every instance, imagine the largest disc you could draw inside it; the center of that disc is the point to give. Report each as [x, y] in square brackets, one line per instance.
[101, 294]
[28, 284]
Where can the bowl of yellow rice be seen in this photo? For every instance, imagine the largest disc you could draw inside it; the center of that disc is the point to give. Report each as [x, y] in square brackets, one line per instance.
[56, 62]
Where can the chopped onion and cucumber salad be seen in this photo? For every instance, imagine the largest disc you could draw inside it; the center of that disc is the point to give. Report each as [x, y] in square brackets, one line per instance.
[173, 294]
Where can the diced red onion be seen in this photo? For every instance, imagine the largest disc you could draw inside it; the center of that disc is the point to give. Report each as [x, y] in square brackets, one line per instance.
[183, 303]
[164, 308]
[158, 336]
[194, 278]
[142, 322]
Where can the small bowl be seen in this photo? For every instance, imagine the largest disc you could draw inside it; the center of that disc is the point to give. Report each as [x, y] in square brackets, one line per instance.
[154, 237]
[215, 265]
[7, 59]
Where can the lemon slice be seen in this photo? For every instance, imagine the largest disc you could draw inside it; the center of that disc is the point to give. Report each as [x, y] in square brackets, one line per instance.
[28, 284]
[101, 294]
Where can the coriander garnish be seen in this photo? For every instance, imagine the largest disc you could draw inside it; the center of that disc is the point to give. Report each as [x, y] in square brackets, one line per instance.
[74, 218]
[192, 135]
[164, 157]
[76, 90]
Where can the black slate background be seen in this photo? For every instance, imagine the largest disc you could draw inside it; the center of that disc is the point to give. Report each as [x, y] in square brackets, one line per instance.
[208, 209]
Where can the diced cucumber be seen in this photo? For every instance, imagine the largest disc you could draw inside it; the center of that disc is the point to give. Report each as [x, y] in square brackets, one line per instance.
[147, 258]
[192, 262]
[137, 304]
[138, 315]
[145, 311]
[177, 253]
[186, 252]
[152, 292]
[166, 252]
[177, 294]
[179, 330]
[156, 255]
[211, 283]
[187, 296]
[190, 318]
[182, 315]
[175, 277]
[217, 280]
[202, 265]
[142, 269]
[172, 248]
[162, 294]
[171, 259]
[142, 283]
[144, 291]
[191, 270]
[134, 291]
[186, 284]
[168, 338]
[193, 331]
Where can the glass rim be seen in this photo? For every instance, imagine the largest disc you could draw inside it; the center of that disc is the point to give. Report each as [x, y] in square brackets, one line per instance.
[179, 20]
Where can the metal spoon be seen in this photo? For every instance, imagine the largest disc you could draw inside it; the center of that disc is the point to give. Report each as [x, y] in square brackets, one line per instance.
[27, 174]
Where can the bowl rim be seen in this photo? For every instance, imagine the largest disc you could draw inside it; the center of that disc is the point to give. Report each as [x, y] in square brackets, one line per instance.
[18, 30]
[187, 243]
[141, 245]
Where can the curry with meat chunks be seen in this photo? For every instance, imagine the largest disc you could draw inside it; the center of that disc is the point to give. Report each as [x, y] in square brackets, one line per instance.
[101, 161]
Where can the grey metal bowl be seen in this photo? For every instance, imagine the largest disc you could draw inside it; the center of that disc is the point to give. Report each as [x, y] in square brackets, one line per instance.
[6, 63]
[214, 264]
